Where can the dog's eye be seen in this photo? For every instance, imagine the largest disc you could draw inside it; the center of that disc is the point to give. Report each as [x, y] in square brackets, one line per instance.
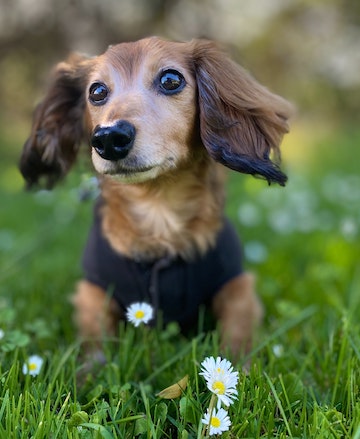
[98, 93]
[171, 81]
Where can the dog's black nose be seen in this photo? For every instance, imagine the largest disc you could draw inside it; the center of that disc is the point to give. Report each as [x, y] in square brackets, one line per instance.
[113, 142]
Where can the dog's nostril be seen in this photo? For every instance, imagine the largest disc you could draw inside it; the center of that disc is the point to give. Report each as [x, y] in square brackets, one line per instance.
[113, 142]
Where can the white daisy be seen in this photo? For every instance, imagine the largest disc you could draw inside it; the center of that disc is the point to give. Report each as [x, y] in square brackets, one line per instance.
[220, 379]
[139, 312]
[33, 365]
[211, 365]
[218, 421]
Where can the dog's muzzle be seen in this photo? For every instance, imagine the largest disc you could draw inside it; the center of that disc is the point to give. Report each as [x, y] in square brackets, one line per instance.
[113, 142]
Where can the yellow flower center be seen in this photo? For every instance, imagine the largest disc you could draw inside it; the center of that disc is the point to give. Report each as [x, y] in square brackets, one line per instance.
[215, 422]
[139, 314]
[219, 387]
[32, 366]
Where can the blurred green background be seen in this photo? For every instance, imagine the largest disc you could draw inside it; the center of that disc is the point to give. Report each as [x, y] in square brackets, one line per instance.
[305, 50]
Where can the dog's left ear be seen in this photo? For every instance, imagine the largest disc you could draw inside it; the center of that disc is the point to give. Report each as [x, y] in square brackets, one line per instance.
[241, 122]
[57, 127]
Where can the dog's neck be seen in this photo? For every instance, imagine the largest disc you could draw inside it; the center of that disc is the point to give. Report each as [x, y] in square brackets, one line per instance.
[178, 214]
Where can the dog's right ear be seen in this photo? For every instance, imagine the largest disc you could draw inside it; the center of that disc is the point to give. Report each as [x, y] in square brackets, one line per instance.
[57, 128]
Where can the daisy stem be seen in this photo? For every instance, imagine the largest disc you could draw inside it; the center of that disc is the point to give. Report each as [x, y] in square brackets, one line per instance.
[147, 351]
[211, 409]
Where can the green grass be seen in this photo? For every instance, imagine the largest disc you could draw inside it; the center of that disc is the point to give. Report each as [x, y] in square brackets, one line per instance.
[303, 382]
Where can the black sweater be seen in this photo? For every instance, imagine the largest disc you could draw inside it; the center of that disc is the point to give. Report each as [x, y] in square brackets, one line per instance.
[173, 286]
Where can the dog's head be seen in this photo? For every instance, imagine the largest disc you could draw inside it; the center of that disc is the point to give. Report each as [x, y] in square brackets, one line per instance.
[148, 106]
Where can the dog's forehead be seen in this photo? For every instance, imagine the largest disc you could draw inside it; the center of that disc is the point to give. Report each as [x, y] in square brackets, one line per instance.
[154, 52]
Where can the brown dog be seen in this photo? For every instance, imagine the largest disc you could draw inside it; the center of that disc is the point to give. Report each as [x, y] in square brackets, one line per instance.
[159, 117]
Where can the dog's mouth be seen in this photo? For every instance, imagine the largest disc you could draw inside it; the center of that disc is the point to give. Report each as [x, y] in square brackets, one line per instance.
[129, 170]
[132, 169]
[126, 170]
[133, 174]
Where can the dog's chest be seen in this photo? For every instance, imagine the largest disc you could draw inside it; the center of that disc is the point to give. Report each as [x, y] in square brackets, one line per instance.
[174, 286]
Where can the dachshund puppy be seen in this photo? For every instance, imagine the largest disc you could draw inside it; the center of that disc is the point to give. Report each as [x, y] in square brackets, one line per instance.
[160, 118]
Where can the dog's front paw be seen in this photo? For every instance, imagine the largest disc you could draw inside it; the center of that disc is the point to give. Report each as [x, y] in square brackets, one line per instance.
[91, 363]
[239, 312]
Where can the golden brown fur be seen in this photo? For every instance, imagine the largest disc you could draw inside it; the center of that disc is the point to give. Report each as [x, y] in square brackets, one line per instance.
[165, 196]
[155, 220]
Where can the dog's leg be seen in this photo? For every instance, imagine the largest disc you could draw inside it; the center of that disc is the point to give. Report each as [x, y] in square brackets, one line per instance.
[239, 311]
[96, 315]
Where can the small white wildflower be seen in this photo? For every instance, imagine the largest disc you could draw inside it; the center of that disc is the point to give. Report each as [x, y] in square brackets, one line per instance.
[218, 421]
[349, 228]
[256, 252]
[282, 221]
[220, 379]
[278, 350]
[33, 365]
[249, 215]
[139, 312]
[2, 334]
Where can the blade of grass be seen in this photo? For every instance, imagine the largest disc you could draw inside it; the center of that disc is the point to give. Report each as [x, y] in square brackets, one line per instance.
[278, 403]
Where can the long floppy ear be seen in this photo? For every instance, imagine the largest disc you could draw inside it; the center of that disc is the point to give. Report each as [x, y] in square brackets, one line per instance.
[241, 122]
[57, 127]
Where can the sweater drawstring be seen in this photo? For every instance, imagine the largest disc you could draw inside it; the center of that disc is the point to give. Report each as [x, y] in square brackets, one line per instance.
[154, 281]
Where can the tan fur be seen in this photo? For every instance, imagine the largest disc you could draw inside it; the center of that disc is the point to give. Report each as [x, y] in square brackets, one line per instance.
[165, 197]
[175, 214]
[239, 311]
[96, 313]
